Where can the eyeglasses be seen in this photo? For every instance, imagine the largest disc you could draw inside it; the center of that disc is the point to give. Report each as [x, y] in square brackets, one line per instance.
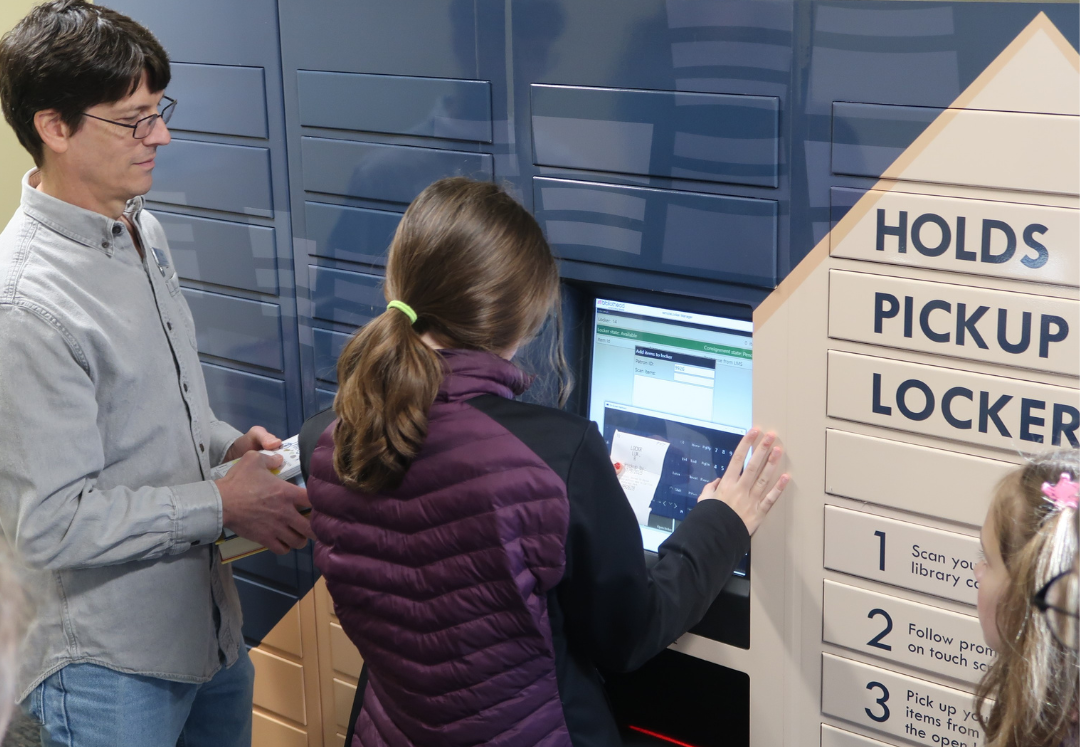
[144, 126]
[1053, 600]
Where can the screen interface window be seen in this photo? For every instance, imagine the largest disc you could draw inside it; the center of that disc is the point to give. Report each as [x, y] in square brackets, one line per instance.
[671, 392]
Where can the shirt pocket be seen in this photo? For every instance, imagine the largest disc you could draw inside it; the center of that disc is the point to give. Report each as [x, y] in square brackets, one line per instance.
[172, 282]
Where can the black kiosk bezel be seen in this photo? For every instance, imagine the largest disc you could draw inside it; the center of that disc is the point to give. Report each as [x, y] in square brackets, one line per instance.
[728, 619]
[674, 698]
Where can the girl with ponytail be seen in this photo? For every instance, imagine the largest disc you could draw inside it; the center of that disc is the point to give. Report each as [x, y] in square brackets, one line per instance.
[468, 269]
[1029, 606]
[480, 551]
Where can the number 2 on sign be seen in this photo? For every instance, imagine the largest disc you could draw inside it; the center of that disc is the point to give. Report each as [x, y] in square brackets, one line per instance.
[876, 640]
[881, 549]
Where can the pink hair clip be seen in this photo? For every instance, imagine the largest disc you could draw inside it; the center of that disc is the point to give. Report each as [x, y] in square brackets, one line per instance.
[1066, 494]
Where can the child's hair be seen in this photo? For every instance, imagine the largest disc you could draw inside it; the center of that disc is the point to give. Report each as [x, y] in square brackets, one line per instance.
[1033, 680]
[474, 266]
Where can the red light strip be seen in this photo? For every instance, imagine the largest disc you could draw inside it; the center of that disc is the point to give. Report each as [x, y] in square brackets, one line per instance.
[660, 736]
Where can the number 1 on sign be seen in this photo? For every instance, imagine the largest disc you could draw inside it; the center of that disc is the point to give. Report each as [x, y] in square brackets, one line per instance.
[881, 549]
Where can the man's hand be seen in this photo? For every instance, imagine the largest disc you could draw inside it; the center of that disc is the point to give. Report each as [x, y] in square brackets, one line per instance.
[750, 491]
[254, 440]
[259, 506]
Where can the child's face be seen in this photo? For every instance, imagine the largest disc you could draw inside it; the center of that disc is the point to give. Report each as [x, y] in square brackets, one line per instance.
[993, 579]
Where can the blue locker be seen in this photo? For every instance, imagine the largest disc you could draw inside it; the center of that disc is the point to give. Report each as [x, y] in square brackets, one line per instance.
[382, 172]
[668, 231]
[360, 235]
[221, 252]
[229, 178]
[702, 136]
[220, 99]
[396, 105]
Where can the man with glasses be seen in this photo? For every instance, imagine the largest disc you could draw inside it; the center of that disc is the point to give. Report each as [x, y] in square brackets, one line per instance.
[106, 434]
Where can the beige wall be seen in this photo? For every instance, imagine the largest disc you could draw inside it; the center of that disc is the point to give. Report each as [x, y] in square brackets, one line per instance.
[14, 161]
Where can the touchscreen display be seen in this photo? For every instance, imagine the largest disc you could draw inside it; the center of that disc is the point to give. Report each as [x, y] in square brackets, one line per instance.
[671, 392]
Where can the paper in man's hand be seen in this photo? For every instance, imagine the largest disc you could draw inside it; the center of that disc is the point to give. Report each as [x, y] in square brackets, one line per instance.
[642, 462]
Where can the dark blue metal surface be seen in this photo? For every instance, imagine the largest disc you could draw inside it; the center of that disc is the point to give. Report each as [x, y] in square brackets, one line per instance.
[403, 37]
[263, 607]
[349, 298]
[328, 346]
[398, 105]
[237, 329]
[843, 199]
[324, 399]
[245, 399]
[353, 234]
[680, 233]
[867, 138]
[235, 255]
[701, 136]
[232, 178]
[286, 573]
[387, 173]
[671, 52]
[416, 108]
[219, 99]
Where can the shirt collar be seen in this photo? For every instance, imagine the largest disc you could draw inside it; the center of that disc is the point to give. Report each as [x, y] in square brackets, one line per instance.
[78, 224]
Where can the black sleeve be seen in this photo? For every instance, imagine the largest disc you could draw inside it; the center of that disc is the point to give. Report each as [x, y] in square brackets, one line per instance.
[310, 431]
[620, 611]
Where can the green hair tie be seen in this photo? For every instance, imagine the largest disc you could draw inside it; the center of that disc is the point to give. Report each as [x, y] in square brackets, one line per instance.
[404, 308]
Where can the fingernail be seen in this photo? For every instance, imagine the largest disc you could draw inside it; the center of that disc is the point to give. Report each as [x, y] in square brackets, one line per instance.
[753, 433]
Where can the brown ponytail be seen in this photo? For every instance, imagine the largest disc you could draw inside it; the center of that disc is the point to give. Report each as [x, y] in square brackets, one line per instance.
[474, 266]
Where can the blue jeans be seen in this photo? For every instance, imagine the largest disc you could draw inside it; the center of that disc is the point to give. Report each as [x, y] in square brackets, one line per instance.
[86, 705]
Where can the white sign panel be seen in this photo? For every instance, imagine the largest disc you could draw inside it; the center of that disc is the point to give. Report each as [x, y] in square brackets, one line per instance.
[981, 237]
[913, 709]
[902, 554]
[1014, 329]
[833, 737]
[994, 411]
[934, 482]
[905, 632]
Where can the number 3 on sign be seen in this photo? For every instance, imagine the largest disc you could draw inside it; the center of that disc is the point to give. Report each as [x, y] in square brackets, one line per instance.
[880, 701]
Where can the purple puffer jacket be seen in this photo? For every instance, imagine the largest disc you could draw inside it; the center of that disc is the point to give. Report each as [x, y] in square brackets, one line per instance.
[442, 583]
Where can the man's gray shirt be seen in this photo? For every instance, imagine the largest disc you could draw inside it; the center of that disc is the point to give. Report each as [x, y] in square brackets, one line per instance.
[106, 444]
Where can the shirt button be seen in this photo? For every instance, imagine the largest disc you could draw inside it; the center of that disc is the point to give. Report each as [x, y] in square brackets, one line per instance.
[185, 386]
[117, 229]
[169, 325]
[202, 448]
[105, 244]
